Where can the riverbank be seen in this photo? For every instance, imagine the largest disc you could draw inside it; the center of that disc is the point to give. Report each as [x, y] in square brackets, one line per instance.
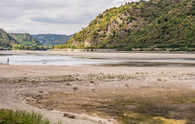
[119, 54]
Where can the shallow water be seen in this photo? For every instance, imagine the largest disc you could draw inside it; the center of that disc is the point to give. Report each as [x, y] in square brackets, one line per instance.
[59, 60]
[56, 60]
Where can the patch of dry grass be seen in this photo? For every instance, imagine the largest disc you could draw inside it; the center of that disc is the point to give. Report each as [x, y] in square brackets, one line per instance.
[74, 77]
[167, 107]
[170, 107]
[161, 108]
[120, 77]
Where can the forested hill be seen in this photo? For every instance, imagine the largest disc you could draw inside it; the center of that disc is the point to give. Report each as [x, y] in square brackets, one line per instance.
[51, 39]
[24, 39]
[6, 41]
[154, 24]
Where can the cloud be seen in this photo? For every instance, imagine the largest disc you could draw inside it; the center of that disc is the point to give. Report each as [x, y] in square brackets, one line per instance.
[51, 16]
[62, 20]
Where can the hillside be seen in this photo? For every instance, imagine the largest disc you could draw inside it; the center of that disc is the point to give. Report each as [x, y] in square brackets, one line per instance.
[147, 25]
[6, 41]
[24, 39]
[51, 39]
[26, 42]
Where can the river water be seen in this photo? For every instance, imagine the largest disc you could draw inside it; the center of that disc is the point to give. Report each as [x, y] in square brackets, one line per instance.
[60, 60]
[56, 60]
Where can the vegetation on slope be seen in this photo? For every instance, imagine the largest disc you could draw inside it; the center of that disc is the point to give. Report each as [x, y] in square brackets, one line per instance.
[24, 38]
[19, 117]
[153, 25]
[6, 41]
[26, 42]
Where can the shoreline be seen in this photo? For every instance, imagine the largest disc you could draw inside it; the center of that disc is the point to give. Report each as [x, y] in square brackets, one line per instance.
[106, 55]
[64, 51]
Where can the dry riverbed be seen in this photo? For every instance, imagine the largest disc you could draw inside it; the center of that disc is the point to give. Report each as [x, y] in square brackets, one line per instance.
[102, 94]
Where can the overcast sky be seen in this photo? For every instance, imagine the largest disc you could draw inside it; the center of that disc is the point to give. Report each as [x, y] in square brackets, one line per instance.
[51, 16]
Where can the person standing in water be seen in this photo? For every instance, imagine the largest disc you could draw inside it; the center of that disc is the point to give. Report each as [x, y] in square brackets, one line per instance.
[8, 61]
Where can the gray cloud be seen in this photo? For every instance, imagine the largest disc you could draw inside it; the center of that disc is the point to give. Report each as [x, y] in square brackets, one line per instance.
[51, 16]
[79, 19]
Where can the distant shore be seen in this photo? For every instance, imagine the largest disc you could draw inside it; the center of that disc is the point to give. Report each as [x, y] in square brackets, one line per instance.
[66, 51]
[108, 55]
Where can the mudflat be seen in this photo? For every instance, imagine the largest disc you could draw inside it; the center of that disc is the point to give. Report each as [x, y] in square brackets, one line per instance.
[92, 94]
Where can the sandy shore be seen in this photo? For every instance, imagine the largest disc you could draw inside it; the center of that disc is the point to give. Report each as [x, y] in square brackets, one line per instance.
[88, 90]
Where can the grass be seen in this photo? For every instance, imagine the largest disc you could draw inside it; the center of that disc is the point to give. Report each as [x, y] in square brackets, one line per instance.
[21, 117]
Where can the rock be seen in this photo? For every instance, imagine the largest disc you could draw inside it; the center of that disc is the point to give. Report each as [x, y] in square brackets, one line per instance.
[100, 122]
[69, 115]
[92, 82]
[50, 109]
[41, 92]
[93, 90]
[68, 84]
[126, 85]
[75, 88]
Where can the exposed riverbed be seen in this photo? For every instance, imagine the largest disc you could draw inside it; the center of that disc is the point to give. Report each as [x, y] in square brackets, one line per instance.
[126, 91]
